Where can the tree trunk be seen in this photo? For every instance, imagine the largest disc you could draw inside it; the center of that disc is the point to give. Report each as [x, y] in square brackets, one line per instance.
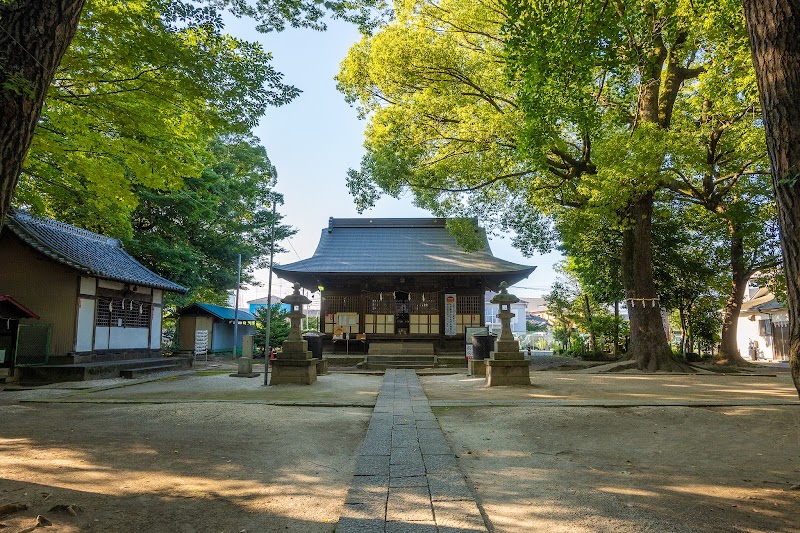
[682, 315]
[774, 28]
[729, 350]
[34, 34]
[616, 330]
[648, 344]
[592, 336]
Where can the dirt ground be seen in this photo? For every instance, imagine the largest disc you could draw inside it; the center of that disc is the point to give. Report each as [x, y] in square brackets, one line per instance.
[575, 452]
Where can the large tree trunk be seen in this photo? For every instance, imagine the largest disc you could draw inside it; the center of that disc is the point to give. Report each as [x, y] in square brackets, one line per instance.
[616, 330]
[34, 34]
[728, 349]
[648, 346]
[592, 336]
[684, 329]
[774, 27]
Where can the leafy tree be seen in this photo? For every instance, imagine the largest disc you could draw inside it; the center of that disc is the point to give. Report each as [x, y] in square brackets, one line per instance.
[637, 66]
[194, 235]
[774, 28]
[593, 132]
[136, 100]
[35, 34]
[278, 329]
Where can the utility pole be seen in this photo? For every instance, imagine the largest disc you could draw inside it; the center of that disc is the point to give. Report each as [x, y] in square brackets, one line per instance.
[236, 306]
[267, 350]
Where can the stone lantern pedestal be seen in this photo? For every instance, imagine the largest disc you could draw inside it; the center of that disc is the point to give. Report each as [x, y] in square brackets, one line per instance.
[294, 364]
[506, 364]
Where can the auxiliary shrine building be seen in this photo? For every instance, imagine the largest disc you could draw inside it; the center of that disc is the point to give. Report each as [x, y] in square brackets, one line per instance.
[395, 279]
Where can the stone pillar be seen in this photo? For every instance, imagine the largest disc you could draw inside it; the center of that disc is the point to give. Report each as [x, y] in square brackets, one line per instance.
[506, 364]
[246, 360]
[294, 364]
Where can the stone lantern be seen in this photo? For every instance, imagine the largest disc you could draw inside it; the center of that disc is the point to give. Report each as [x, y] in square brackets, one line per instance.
[506, 364]
[294, 364]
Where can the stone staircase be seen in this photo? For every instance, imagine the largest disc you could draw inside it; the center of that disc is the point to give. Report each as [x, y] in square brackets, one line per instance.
[382, 362]
[383, 355]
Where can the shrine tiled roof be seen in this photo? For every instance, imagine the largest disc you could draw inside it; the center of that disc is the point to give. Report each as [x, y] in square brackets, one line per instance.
[398, 246]
[87, 252]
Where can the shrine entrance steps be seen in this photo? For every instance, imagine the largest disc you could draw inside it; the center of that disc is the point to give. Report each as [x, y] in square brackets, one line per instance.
[412, 355]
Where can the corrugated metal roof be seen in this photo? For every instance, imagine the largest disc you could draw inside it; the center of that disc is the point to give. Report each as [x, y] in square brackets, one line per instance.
[397, 246]
[85, 251]
[223, 313]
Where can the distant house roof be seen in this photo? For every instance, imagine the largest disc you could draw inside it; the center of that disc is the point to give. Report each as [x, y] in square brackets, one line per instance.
[223, 313]
[763, 301]
[10, 308]
[537, 320]
[87, 252]
[535, 304]
[398, 246]
[264, 300]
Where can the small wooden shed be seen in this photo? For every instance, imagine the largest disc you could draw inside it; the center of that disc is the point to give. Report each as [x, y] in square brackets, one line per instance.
[218, 321]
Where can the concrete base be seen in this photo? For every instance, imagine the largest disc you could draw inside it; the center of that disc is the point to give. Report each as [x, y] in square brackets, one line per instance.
[476, 367]
[245, 365]
[322, 367]
[507, 372]
[297, 371]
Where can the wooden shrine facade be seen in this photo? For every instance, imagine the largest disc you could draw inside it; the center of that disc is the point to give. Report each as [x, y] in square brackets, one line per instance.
[399, 279]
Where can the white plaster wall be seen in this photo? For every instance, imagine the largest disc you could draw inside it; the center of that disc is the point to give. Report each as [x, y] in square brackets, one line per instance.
[101, 338]
[124, 338]
[106, 284]
[155, 327]
[746, 331]
[83, 341]
[88, 285]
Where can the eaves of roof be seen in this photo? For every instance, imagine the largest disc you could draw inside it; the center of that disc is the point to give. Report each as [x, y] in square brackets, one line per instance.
[87, 252]
[218, 311]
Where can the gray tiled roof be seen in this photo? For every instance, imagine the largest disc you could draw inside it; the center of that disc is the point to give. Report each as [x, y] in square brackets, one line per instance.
[398, 246]
[86, 252]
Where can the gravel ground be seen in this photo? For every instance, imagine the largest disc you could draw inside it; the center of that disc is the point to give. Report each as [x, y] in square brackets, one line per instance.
[207, 452]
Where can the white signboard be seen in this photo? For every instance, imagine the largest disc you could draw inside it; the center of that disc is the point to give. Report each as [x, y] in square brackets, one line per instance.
[201, 343]
[450, 315]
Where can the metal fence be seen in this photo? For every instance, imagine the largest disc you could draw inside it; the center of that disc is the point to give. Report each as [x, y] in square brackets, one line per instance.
[33, 344]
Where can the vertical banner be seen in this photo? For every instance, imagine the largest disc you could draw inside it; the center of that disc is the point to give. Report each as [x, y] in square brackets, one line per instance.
[450, 315]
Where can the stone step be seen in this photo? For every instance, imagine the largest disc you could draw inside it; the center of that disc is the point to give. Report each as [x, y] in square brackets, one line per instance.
[401, 348]
[396, 364]
[42, 374]
[371, 358]
[451, 360]
[132, 373]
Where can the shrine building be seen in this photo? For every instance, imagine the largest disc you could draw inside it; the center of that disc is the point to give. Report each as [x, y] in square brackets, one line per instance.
[400, 279]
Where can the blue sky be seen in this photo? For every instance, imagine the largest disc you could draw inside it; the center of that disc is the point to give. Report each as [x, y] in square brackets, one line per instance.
[314, 140]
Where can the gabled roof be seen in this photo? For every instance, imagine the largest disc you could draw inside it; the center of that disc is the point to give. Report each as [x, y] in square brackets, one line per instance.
[87, 252]
[223, 313]
[763, 301]
[398, 246]
[10, 308]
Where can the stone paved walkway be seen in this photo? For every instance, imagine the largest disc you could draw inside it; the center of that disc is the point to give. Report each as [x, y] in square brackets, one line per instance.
[406, 476]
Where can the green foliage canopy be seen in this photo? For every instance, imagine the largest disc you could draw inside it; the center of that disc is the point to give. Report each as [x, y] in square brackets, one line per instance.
[193, 235]
[140, 93]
